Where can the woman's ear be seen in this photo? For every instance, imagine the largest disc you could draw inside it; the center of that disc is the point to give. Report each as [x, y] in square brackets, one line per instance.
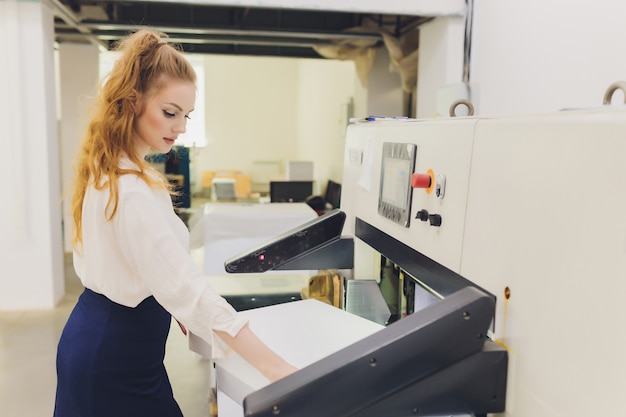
[135, 101]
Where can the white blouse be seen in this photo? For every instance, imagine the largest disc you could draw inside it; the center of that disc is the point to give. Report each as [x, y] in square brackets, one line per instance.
[144, 251]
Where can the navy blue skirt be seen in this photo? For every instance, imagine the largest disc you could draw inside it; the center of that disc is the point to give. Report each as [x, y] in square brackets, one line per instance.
[110, 361]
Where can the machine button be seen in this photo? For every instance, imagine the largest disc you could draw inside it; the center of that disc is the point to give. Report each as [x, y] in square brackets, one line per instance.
[440, 186]
[421, 180]
[434, 219]
[422, 215]
[425, 181]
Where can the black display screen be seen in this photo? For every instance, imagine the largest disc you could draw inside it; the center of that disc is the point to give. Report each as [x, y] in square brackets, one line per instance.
[290, 191]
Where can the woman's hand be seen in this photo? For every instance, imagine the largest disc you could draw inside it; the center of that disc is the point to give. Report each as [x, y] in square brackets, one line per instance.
[258, 354]
[280, 372]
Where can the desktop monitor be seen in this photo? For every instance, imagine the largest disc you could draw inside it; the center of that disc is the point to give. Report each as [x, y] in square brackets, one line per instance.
[333, 194]
[290, 191]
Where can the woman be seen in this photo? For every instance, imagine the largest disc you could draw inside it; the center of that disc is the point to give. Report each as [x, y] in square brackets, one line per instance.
[131, 250]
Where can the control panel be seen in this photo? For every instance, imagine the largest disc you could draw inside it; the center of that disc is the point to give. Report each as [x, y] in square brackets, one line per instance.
[290, 245]
[411, 181]
[394, 198]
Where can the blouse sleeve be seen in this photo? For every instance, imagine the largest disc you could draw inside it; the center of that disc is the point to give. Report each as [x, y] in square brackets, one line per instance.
[158, 257]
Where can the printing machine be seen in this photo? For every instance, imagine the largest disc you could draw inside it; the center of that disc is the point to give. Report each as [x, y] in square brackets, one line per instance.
[509, 238]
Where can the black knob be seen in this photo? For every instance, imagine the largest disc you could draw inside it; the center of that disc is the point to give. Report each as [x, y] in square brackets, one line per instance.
[422, 215]
[435, 220]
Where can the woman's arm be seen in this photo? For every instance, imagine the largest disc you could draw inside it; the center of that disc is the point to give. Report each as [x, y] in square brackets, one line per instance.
[257, 353]
[157, 255]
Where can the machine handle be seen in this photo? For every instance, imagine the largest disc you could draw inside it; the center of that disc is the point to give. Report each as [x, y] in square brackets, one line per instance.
[618, 85]
[467, 103]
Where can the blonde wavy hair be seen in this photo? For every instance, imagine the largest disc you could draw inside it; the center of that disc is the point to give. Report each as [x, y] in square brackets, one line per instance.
[145, 57]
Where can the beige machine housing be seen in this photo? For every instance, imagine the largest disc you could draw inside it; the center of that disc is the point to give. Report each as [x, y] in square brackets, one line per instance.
[534, 213]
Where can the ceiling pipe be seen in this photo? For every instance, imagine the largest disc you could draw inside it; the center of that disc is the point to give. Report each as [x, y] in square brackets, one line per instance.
[70, 18]
[206, 41]
[94, 27]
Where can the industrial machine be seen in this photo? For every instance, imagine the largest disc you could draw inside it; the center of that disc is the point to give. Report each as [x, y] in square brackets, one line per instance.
[529, 208]
[522, 215]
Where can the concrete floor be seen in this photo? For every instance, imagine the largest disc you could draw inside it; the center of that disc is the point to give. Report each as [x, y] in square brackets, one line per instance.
[28, 342]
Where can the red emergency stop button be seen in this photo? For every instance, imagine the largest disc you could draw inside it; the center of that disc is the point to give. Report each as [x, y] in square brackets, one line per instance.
[426, 181]
[420, 180]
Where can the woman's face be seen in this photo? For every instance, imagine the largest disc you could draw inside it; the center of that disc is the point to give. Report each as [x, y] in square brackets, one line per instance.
[164, 115]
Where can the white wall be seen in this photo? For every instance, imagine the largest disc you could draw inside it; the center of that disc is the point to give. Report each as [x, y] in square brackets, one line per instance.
[31, 252]
[544, 55]
[264, 108]
[526, 57]
[440, 64]
[325, 89]
[78, 78]
[384, 89]
[250, 111]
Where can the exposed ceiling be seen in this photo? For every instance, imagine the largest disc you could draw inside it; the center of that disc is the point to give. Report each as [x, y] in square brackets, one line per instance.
[201, 27]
